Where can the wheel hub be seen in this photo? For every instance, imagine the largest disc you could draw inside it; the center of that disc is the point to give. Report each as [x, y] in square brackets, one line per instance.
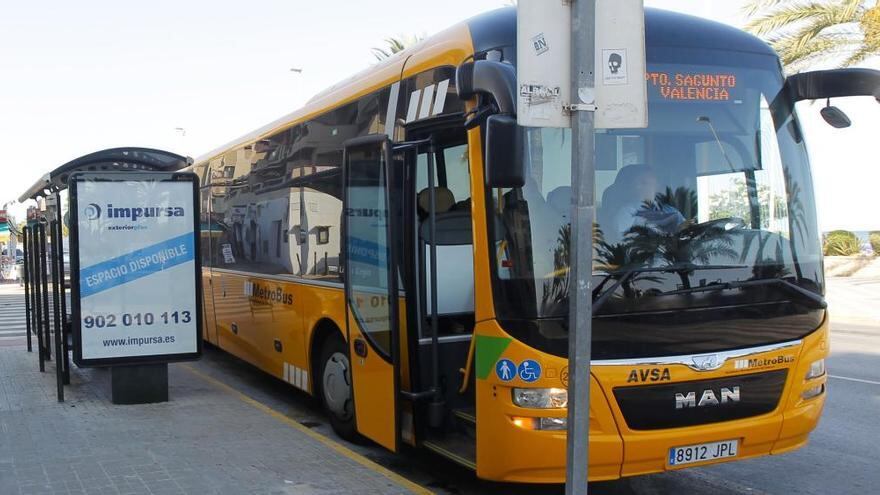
[337, 385]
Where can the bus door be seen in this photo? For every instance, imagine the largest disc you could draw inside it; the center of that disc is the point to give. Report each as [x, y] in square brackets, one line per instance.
[371, 288]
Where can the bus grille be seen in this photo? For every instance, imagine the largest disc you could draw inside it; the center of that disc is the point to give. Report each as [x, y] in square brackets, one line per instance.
[673, 405]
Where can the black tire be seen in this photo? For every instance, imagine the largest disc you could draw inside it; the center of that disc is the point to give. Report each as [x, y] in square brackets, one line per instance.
[339, 408]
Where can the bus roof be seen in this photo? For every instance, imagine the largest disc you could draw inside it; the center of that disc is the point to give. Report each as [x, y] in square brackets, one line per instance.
[496, 30]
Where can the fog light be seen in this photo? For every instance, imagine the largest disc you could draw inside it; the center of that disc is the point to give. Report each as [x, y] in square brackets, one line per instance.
[553, 424]
[813, 391]
[817, 369]
[527, 423]
[541, 398]
[547, 424]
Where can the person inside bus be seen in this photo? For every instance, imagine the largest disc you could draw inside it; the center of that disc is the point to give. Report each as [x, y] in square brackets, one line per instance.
[632, 201]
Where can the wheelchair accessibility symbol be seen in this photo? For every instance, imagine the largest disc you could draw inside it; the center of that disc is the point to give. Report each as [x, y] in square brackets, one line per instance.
[529, 371]
[505, 369]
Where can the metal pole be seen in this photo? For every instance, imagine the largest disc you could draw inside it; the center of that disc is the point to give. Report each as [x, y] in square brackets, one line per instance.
[65, 325]
[35, 288]
[47, 339]
[56, 309]
[436, 407]
[25, 238]
[581, 250]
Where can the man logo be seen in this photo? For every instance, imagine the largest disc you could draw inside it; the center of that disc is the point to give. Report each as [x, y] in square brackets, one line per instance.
[708, 397]
[93, 211]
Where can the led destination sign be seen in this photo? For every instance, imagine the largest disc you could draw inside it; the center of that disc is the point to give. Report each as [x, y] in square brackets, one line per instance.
[698, 86]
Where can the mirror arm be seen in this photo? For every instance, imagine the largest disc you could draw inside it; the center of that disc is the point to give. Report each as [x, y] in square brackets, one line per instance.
[822, 84]
[479, 115]
[486, 77]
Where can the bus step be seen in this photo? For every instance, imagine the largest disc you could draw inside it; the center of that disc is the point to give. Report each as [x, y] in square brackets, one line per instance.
[457, 447]
[466, 422]
[466, 416]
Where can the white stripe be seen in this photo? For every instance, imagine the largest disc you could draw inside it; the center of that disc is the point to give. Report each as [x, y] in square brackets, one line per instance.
[413, 109]
[440, 99]
[391, 113]
[286, 372]
[859, 380]
[298, 381]
[305, 380]
[427, 98]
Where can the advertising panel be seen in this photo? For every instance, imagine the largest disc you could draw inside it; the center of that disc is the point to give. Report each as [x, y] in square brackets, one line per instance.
[135, 263]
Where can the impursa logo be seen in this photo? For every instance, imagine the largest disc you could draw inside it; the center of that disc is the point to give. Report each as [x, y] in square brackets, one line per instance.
[93, 212]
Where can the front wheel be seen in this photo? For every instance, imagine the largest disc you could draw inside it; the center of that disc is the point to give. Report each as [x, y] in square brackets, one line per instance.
[336, 394]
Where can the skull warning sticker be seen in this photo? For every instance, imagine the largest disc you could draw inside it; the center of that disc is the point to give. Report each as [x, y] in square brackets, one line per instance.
[614, 70]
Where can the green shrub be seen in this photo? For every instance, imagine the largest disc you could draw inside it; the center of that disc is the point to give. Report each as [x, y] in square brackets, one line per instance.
[874, 238]
[841, 243]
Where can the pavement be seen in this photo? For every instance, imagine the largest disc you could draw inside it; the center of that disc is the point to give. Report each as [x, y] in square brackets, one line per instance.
[229, 428]
[208, 439]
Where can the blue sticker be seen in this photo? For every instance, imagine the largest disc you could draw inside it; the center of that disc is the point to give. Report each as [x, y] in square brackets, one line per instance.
[505, 369]
[529, 371]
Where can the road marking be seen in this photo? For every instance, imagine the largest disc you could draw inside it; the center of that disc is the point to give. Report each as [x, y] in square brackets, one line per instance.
[338, 447]
[869, 382]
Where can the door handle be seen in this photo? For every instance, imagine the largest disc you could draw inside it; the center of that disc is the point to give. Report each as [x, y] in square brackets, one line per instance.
[360, 347]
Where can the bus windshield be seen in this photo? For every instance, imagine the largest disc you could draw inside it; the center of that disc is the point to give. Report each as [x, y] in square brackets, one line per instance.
[716, 192]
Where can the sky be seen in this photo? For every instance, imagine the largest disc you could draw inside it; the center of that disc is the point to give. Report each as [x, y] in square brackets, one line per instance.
[189, 76]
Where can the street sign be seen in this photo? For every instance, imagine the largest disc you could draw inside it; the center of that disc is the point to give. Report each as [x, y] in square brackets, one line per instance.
[543, 72]
[135, 268]
[621, 91]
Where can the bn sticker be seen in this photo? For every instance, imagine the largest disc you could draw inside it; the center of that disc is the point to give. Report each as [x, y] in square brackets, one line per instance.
[505, 369]
[529, 371]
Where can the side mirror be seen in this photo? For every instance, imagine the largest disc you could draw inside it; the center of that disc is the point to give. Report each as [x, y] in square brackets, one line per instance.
[504, 153]
[835, 117]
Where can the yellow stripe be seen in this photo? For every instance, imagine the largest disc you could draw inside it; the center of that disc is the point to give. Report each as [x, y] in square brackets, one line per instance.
[342, 449]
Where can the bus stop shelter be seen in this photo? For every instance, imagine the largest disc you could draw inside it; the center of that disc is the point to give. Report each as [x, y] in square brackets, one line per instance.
[44, 263]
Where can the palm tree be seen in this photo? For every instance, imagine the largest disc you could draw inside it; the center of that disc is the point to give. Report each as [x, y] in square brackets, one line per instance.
[396, 45]
[683, 199]
[681, 251]
[805, 32]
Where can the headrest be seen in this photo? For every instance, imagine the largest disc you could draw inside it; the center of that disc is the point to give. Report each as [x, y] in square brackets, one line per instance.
[444, 200]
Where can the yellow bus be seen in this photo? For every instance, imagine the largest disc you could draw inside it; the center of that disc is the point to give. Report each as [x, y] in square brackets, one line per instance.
[365, 250]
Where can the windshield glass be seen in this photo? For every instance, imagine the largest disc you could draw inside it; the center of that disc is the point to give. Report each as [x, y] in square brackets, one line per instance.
[715, 191]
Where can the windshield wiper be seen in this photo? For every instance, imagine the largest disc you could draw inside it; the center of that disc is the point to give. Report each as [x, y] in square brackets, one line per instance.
[818, 302]
[600, 297]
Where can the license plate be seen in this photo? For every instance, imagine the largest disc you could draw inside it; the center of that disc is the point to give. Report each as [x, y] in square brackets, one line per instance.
[702, 452]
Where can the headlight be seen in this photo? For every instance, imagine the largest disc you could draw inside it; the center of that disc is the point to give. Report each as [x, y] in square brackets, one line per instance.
[817, 369]
[541, 398]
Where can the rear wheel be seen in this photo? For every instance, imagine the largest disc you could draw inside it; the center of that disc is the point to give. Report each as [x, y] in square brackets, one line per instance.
[336, 392]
